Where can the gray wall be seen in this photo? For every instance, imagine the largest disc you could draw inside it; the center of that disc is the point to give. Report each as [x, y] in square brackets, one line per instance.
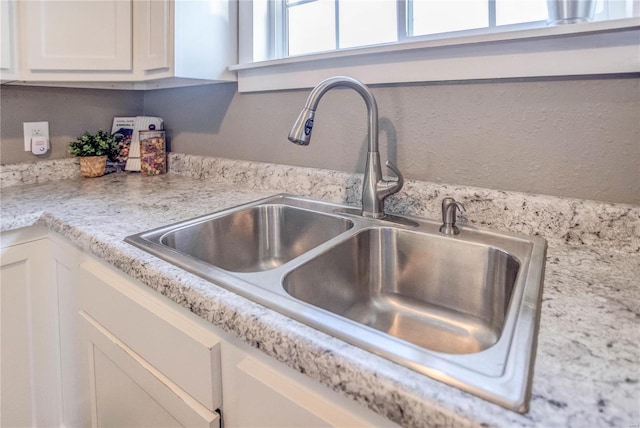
[69, 112]
[574, 138]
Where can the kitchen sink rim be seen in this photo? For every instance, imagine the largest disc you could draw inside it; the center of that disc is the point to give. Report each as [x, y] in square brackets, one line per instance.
[433, 364]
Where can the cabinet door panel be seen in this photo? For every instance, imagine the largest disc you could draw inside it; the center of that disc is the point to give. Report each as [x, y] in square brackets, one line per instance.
[79, 35]
[15, 373]
[154, 25]
[7, 39]
[28, 352]
[120, 402]
[269, 399]
[75, 408]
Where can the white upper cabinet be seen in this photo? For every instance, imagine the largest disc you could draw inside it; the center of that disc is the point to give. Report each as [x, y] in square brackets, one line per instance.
[124, 44]
[78, 35]
[152, 47]
[7, 40]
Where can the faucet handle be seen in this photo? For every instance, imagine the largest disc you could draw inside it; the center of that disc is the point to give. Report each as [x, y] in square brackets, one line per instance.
[397, 186]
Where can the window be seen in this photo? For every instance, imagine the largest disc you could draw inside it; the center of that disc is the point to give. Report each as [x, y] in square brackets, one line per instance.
[288, 44]
[311, 26]
[323, 25]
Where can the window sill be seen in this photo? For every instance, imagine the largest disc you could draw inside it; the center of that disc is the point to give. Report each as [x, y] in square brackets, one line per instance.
[596, 48]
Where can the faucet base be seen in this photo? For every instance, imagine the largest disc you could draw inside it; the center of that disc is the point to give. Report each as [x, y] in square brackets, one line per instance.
[449, 230]
[373, 215]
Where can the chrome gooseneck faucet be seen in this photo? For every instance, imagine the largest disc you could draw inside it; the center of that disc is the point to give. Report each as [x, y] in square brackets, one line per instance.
[375, 189]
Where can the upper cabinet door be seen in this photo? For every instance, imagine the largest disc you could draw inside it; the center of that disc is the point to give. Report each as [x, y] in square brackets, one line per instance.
[79, 35]
[152, 34]
[7, 40]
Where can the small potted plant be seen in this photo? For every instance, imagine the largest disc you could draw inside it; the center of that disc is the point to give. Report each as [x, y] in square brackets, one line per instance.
[93, 150]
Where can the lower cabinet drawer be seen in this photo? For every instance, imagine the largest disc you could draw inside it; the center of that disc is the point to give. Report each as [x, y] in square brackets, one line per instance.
[186, 354]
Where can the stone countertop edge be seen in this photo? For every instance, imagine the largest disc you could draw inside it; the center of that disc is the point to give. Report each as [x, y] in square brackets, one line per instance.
[586, 370]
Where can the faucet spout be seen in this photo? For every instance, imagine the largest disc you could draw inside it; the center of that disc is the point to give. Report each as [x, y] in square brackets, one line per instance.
[375, 189]
[301, 130]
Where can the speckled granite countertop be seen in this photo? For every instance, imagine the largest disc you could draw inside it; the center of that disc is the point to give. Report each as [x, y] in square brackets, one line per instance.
[588, 362]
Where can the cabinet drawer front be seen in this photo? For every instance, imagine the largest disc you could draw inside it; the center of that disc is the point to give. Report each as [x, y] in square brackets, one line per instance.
[185, 353]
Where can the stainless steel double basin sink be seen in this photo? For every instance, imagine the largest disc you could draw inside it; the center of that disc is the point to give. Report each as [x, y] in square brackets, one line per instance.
[461, 309]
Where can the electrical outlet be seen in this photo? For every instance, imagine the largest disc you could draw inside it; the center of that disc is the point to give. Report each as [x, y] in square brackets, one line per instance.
[34, 129]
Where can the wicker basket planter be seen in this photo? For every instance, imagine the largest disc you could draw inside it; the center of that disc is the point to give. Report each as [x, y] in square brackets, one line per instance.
[93, 150]
[93, 166]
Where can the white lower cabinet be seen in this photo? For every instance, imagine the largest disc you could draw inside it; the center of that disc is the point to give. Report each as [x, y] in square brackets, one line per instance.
[148, 366]
[265, 397]
[75, 409]
[126, 390]
[28, 348]
[120, 354]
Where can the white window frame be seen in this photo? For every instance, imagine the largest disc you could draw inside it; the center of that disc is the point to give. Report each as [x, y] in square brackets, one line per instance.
[594, 48]
[404, 24]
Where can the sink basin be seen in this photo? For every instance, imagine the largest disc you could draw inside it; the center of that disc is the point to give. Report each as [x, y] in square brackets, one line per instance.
[256, 238]
[437, 293]
[461, 309]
